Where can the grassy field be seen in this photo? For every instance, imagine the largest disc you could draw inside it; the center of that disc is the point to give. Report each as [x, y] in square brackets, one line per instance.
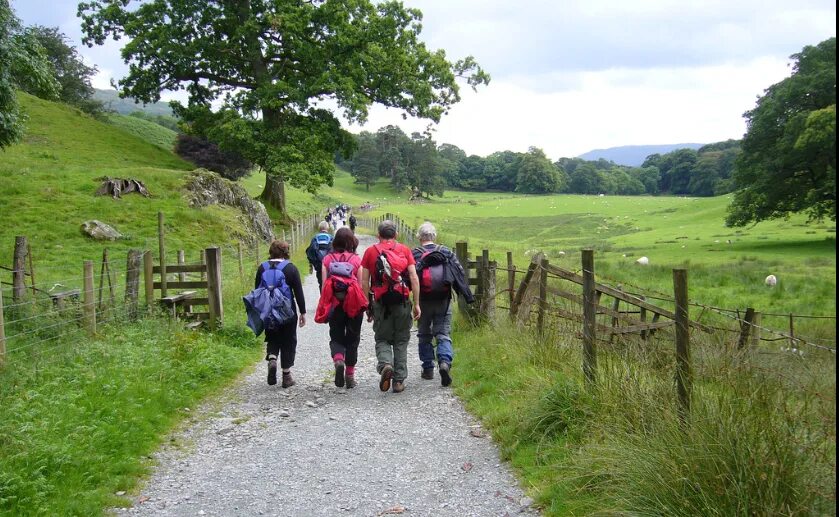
[150, 132]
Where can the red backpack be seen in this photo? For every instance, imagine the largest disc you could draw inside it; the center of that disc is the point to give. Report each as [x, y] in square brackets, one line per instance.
[431, 270]
[389, 285]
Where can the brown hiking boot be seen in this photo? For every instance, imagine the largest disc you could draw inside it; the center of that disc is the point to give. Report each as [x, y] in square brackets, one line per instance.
[272, 370]
[398, 386]
[350, 381]
[339, 373]
[288, 380]
[445, 374]
[427, 373]
[387, 375]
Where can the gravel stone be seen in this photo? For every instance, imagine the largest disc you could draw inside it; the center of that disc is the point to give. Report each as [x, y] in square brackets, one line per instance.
[366, 453]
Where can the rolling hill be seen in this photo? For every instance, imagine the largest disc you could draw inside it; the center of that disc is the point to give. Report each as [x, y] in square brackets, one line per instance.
[633, 155]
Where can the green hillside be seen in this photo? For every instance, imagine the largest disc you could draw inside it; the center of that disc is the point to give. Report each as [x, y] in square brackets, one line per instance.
[48, 181]
[113, 101]
[152, 133]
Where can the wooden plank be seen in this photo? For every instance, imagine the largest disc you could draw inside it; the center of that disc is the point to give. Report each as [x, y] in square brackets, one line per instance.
[175, 298]
[579, 299]
[195, 301]
[628, 298]
[186, 268]
[193, 284]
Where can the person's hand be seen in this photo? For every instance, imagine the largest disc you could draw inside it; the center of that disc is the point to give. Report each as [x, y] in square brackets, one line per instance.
[417, 312]
[302, 320]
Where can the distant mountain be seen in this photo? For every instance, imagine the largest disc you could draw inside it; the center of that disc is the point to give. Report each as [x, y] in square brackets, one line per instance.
[633, 155]
[128, 106]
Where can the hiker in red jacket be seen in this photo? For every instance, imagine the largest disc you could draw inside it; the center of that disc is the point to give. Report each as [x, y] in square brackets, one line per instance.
[342, 304]
[387, 265]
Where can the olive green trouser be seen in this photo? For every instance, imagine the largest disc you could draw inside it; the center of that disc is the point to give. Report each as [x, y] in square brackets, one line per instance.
[392, 331]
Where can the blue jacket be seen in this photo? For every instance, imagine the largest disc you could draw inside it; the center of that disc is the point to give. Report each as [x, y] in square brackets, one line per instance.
[265, 301]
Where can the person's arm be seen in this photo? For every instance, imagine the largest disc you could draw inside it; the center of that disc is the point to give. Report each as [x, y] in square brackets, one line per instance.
[292, 277]
[415, 290]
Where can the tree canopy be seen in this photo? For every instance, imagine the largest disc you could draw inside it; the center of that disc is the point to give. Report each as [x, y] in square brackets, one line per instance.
[23, 64]
[788, 163]
[282, 71]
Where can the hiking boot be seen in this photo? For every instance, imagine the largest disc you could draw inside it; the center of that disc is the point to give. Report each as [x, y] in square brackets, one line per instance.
[398, 386]
[339, 373]
[387, 375]
[445, 375]
[351, 382]
[427, 373]
[272, 372]
[288, 380]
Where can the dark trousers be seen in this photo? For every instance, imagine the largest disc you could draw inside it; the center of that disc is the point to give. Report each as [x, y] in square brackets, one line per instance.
[344, 335]
[282, 342]
[319, 275]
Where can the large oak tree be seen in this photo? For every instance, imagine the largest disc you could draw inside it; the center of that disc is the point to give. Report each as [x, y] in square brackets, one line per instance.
[788, 163]
[283, 71]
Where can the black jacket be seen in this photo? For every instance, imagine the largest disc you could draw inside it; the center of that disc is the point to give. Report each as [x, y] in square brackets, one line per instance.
[454, 274]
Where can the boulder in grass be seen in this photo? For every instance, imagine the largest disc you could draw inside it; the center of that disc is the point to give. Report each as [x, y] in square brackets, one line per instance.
[116, 187]
[100, 231]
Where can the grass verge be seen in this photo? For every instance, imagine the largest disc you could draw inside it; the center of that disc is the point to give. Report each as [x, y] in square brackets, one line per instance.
[761, 439]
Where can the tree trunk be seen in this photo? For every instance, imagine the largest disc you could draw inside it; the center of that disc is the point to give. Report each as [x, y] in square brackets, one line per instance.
[274, 193]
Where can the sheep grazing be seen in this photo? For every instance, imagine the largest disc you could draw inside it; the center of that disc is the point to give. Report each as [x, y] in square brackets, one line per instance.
[771, 280]
[643, 261]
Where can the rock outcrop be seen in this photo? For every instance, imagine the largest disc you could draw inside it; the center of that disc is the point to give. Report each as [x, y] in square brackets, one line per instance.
[100, 231]
[205, 188]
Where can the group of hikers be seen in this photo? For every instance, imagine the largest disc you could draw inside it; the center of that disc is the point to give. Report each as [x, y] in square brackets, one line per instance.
[340, 216]
[391, 285]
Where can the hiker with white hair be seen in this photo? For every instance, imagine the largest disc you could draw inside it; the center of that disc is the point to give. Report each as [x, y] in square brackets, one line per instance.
[318, 250]
[440, 274]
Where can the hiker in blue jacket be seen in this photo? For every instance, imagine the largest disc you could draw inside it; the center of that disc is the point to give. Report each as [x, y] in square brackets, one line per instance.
[319, 248]
[281, 342]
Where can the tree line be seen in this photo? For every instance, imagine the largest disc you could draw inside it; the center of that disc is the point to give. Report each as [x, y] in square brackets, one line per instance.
[417, 163]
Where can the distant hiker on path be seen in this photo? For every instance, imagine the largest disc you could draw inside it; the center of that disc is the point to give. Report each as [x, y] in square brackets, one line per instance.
[342, 304]
[440, 273]
[353, 222]
[281, 341]
[385, 266]
[318, 249]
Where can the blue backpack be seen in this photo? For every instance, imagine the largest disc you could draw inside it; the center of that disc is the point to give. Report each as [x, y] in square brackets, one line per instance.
[319, 249]
[279, 294]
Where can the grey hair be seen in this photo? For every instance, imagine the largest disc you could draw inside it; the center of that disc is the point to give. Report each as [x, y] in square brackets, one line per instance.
[323, 226]
[427, 232]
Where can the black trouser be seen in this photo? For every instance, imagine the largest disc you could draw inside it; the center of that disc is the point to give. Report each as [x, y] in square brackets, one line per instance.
[319, 275]
[282, 342]
[344, 335]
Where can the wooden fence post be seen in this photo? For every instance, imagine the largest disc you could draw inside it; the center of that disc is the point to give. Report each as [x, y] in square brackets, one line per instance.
[181, 262]
[89, 298]
[589, 317]
[462, 252]
[2, 332]
[132, 284]
[162, 247]
[755, 334]
[148, 278]
[683, 373]
[214, 287]
[31, 269]
[19, 269]
[746, 328]
[615, 306]
[517, 299]
[511, 279]
[791, 333]
[543, 296]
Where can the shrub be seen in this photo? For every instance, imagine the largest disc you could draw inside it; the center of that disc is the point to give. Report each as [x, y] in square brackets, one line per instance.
[206, 154]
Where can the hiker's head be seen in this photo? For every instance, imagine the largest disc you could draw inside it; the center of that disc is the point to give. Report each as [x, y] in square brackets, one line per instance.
[323, 226]
[387, 229]
[278, 250]
[344, 240]
[426, 232]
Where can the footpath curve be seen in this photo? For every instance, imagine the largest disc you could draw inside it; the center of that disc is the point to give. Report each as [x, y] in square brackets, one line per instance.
[318, 450]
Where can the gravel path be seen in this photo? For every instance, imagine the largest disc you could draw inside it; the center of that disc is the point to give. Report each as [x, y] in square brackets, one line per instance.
[318, 450]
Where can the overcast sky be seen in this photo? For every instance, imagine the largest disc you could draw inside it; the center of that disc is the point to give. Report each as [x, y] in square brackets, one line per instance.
[570, 76]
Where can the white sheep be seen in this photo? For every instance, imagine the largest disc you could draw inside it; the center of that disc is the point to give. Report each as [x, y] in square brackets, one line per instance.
[561, 253]
[643, 261]
[771, 280]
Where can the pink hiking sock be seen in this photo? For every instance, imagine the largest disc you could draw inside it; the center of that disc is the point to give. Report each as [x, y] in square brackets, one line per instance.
[350, 370]
[338, 357]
